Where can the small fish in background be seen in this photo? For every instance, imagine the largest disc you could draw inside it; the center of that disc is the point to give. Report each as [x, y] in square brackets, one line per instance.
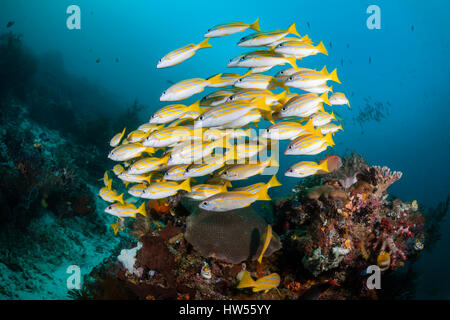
[412, 28]
[262, 284]
[309, 25]
[98, 60]
[117, 60]
[306, 168]
[342, 62]
[10, 24]
[370, 60]
[226, 29]
[331, 45]
[181, 54]
[353, 93]
[170, 82]
[90, 50]
[348, 45]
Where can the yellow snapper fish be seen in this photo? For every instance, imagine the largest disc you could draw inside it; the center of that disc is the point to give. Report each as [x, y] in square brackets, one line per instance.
[147, 164]
[117, 138]
[264, 58]
[264, 38]
[235, 61]
[262, 284]
[107, 181]
[246, 170]
[304, 105]
[226, 29]
[191, 151]
[208, 166]
[309, 144]
[187, 88]
[306, 168]
[253, 116]
[322, 118]
[218, 97]
[228, 112]
[110, 195]
[173, 112]
[129, 151]
[259, 81]
[179, 55]
[204, 191]
[176, 173]
[319, 89]
[129, 177]
[287, 130]
[137, 136]
[330, 127]
[170, 136]
[282, 75]
[126, 210]
[299, 49]
[118, 169]
[227, 79]
[304, 39]
[267, 236]
[308, 79]
[250, 94]
[226, 201]
[138, 189]
[261, 188]
[339, 98]
[164, 189]
[149, 127]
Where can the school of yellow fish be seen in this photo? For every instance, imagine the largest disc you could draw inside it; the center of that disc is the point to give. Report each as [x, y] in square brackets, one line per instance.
[215, 139]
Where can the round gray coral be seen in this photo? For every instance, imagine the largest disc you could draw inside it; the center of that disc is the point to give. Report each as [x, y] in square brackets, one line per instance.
[232, 236]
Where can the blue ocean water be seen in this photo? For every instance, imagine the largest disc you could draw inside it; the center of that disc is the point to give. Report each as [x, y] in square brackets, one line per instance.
[401, 69]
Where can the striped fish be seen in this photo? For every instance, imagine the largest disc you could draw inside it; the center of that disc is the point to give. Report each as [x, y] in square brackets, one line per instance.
[146, 165]
[149, 127]
[304, 39]
[129, 151]
[261, 188]
[322, 118]
[186, 88]
[263, 58]
[179, 55]
[218, 97]
[331, 127]
[176, 173]
[299, 49]
[306, 168]
[118, 169]
[339, 98]
[259, 81]
[250, 94]
[262, 284]
[110, 195]
[228, 112]
[304, 105]
[169, 136]
[174, 111]
[309, 144]
[164, 189]
[265, 38]
[253, 116]
[126, 210]
[226, 201]
[129, 177]
[285, 73]
[319, 89]
[204, 191]
[227, 79]
[308, 79]
[137, 136]
[207, 166]
[117, 138]
[287, 130]
[226, 29]
[192, 151]
[138, 189]
[247, 170]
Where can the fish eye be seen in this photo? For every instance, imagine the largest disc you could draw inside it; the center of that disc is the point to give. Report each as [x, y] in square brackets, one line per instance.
[281, 72]
[267, 130]
[290, 78]
[230, 98]
[225, 172]
[204, 203]
[164, 92]
[290, 147]
[242, 59]
[283, 109]
[201, 117]
[240, 80]
[290, 170]
[280, 45]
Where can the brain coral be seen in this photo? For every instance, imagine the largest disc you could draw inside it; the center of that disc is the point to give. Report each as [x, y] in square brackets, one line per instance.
[232, 236]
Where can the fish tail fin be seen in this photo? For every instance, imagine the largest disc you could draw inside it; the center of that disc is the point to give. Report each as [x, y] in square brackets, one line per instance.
[115, 228]
[306, 39]
[321, 108]
[309, 126]
[331, 88]
[195, 107]
[148, 178]
[263, 195]
[340, 127]
[292, 62]
[126, 183]
[321, 48]
[246, 281]
[150, 150]
[334, 76]
[324, 70]
[273, 182]
[204, 44]
[332, 115]
[324, 166]
[215, 79]
[324, 98]
[223, 188]
[293, 30]
[255, 25]
[120, 199]
[329, 139]
[260, 104]
[123, 131]
[249, 72]
[281, 97]
[141, 210]
[228, 184]
[185, 185]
